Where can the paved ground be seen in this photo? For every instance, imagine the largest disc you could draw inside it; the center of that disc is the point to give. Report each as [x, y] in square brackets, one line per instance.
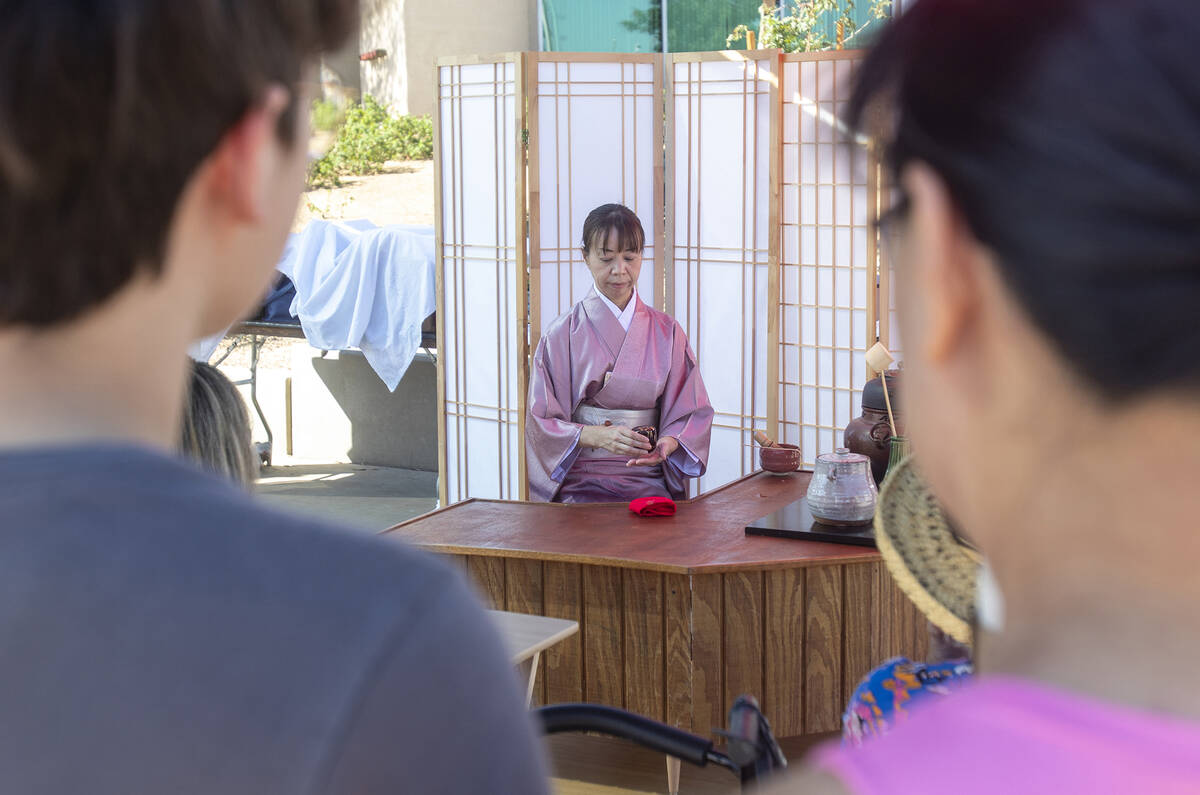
[402, 194]
[364, 497]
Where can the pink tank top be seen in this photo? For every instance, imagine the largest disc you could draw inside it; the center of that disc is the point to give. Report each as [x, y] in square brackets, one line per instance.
[1003, 735]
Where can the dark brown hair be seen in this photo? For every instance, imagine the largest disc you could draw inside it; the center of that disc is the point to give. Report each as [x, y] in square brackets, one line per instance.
[1068, 135]
[106, 109]
[617, 218]
[216, 426]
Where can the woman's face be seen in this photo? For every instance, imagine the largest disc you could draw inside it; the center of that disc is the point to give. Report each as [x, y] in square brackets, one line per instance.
[615, 272]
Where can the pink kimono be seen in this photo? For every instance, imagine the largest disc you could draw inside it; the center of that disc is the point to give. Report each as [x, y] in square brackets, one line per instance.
[587, 366]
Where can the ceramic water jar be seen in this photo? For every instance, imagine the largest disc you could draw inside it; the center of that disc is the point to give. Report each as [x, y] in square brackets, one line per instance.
[871, 433]
[842, 490]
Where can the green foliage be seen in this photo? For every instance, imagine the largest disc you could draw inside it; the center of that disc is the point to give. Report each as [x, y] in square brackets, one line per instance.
[370, 137]
[326, 115]
[413, 136]
[364, 143]
[804, 29]
[324, 172]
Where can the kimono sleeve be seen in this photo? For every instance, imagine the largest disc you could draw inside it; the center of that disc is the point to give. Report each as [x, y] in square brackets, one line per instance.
[685, 411]
[551, 439]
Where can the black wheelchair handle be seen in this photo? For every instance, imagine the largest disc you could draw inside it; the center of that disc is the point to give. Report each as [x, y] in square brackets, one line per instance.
[626, 725]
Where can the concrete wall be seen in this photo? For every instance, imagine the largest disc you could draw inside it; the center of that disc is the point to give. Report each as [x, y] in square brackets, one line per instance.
[474, 27]
[417, 32]
[342, 412]
[382, 27]
[393, 429]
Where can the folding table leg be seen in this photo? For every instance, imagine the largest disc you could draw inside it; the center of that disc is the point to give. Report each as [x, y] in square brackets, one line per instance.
[255, 345]
[673, 775]
[533, 666]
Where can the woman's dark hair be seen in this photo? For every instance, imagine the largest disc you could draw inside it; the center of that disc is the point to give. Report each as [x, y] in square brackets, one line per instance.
[215, 432]
[1068, 134]
[613, 217]
[107, 109]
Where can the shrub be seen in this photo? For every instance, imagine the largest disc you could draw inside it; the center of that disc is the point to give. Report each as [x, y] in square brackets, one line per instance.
[413, 137]
[370, 137]
[326, 115]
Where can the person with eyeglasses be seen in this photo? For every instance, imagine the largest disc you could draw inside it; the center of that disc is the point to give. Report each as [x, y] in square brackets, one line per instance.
[1047, 256]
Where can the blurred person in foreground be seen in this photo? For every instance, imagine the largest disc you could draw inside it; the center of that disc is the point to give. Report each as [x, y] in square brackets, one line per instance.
[160, 631]
[1046, 240]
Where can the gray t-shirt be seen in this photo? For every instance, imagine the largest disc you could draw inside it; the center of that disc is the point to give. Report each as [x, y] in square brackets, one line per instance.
[162, 632]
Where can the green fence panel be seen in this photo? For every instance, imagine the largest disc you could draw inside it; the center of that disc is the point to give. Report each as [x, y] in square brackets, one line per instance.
[692, 25]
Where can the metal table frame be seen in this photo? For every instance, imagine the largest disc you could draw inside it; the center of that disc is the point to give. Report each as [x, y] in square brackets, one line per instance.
[258, 332]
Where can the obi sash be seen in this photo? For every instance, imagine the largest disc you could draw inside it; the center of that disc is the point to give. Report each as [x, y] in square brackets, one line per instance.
[595, 415]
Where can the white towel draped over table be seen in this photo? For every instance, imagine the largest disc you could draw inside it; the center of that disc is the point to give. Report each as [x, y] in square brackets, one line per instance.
[363, 286]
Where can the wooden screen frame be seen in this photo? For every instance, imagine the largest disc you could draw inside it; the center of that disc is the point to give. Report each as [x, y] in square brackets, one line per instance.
[520, 214]
[884, 294]
[774, 138]
[870, 263]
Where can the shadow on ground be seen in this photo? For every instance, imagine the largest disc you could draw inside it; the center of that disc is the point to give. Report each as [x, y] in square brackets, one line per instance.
[363, 497]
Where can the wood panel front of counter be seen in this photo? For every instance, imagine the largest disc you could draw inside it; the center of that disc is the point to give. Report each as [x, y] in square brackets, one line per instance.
[680, 616]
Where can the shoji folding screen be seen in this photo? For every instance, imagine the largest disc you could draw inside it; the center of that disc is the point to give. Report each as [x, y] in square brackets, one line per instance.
[828, 262]
[595, 132]
[723, 226]
[758, 212]
[480, 227]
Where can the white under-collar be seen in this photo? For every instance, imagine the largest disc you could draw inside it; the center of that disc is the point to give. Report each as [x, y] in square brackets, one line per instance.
[625, 316]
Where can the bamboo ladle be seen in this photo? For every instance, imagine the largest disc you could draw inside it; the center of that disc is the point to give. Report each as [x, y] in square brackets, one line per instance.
[878, 359]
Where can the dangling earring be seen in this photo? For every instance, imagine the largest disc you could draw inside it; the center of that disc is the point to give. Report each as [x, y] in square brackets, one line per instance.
[989, 600]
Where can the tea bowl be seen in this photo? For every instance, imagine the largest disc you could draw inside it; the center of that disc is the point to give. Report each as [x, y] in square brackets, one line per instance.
[780, 459]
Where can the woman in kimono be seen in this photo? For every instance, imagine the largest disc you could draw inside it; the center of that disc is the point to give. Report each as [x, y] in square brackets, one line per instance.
[608, 365]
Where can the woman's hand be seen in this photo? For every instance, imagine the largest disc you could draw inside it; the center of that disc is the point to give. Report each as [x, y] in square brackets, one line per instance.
[616, 439]
[662, 451]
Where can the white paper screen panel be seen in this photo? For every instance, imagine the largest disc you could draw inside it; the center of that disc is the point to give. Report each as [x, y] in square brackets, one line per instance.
[595, 128]
[722, 250]
[481, 320]
[826, 262]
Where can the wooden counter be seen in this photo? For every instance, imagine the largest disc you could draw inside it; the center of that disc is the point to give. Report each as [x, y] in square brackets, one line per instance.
[680, 615]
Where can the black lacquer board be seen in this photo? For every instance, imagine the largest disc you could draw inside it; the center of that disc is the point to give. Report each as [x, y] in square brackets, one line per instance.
[795, 521]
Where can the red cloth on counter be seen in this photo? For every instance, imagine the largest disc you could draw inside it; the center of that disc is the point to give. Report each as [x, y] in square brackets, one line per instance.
[653, 506]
